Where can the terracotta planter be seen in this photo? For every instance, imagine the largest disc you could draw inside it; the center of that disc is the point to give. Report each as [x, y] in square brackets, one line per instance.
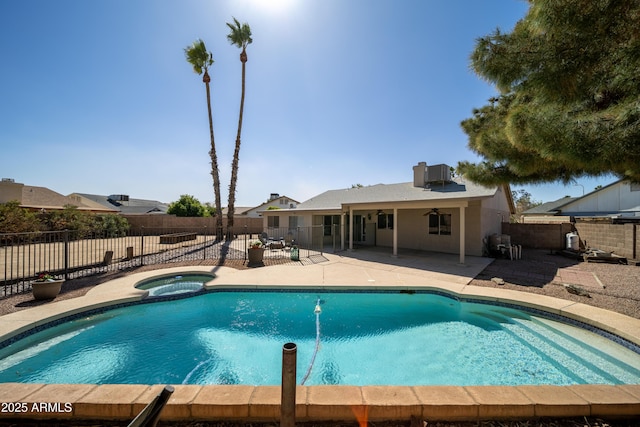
[46, 290]
[255, 256]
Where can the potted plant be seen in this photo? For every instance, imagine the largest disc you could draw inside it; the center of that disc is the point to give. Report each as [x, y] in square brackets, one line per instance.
[256, 252]
[46, 286]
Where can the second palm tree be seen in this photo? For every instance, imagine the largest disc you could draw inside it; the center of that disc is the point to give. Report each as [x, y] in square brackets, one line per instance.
[239, 36]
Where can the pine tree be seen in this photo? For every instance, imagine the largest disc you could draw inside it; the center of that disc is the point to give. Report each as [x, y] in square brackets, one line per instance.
[569, 102]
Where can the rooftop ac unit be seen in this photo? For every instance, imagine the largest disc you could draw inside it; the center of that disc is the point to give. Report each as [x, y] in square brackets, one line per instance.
[438, 173]
[119, 197]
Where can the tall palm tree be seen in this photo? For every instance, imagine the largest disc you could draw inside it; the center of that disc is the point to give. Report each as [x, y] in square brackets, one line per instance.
[240, 36]
[198, 56]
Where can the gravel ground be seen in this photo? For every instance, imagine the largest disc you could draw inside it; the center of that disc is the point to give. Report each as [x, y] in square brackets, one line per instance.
[536, 271]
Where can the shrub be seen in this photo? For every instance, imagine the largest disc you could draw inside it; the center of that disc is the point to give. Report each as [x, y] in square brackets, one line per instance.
[14, 219]
[186, 206]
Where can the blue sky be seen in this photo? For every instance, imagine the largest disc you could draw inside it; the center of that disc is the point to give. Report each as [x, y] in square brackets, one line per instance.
[98, 98]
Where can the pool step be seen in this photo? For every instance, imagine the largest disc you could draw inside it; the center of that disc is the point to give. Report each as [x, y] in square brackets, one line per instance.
[589, 364]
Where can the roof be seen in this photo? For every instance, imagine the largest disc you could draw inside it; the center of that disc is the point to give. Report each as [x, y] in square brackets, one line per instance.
[43, 198]
[549, 207]
[394, 193]
[131, 206]
[237, 210]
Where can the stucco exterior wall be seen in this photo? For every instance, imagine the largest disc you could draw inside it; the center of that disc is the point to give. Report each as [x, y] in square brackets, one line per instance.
[615, 198]
[493, 215]
[413, 232]
[474, 229]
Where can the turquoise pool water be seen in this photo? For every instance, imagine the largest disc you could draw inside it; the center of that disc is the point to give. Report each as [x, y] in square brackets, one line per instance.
[364, 339]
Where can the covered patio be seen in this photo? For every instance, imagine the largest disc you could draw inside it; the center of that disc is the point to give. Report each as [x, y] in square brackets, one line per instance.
[435, 212]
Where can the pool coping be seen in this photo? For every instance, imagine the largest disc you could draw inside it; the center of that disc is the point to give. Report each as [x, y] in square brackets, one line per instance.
[323, 403]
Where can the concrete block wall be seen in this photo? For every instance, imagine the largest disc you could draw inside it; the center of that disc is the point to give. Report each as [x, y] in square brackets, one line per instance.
[538, 236]
[621, 239]
[170, 223]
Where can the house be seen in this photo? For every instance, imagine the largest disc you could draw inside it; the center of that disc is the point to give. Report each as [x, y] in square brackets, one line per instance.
[38, 198]
[124, 204]
[275, 201]
[619, 200]
[433, 212]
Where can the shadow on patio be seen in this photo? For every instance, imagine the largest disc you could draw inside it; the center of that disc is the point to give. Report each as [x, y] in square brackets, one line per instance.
[434, 262]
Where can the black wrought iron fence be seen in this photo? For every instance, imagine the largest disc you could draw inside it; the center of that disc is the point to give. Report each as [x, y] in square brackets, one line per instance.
[23, 256]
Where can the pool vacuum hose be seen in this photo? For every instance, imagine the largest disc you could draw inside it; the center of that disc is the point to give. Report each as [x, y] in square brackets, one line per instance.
[317, 310]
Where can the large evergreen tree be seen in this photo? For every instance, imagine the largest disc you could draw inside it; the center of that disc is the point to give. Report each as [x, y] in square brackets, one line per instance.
[569, 102]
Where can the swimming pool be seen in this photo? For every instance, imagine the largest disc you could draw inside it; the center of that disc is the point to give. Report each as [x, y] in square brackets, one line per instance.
[365, 338]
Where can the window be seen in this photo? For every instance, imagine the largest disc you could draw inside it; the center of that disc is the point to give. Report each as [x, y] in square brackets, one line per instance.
[294, 221]
[385, 221]
[439, 224]
[330, 223]
[273, 221]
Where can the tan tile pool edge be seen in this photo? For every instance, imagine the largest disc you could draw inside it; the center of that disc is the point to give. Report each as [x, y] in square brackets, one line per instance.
[319, 403]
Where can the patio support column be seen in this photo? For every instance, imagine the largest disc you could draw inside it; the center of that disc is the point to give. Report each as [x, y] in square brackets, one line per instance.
[462, 233]
[350, 228]
[343, 219]
[395, 232]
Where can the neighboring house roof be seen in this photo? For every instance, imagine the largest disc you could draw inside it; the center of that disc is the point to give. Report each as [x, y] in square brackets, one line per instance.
[34, 197]
[631, 209]
[131, 206]
[237, 210]
[549, 208]
[396, 193]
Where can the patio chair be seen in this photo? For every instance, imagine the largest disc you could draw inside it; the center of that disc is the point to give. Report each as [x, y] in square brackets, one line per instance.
[276, 244]
[150, 415]
[264, 238]
[289, 241]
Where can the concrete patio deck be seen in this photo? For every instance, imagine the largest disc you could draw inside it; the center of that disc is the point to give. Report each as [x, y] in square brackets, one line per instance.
[365, 269]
